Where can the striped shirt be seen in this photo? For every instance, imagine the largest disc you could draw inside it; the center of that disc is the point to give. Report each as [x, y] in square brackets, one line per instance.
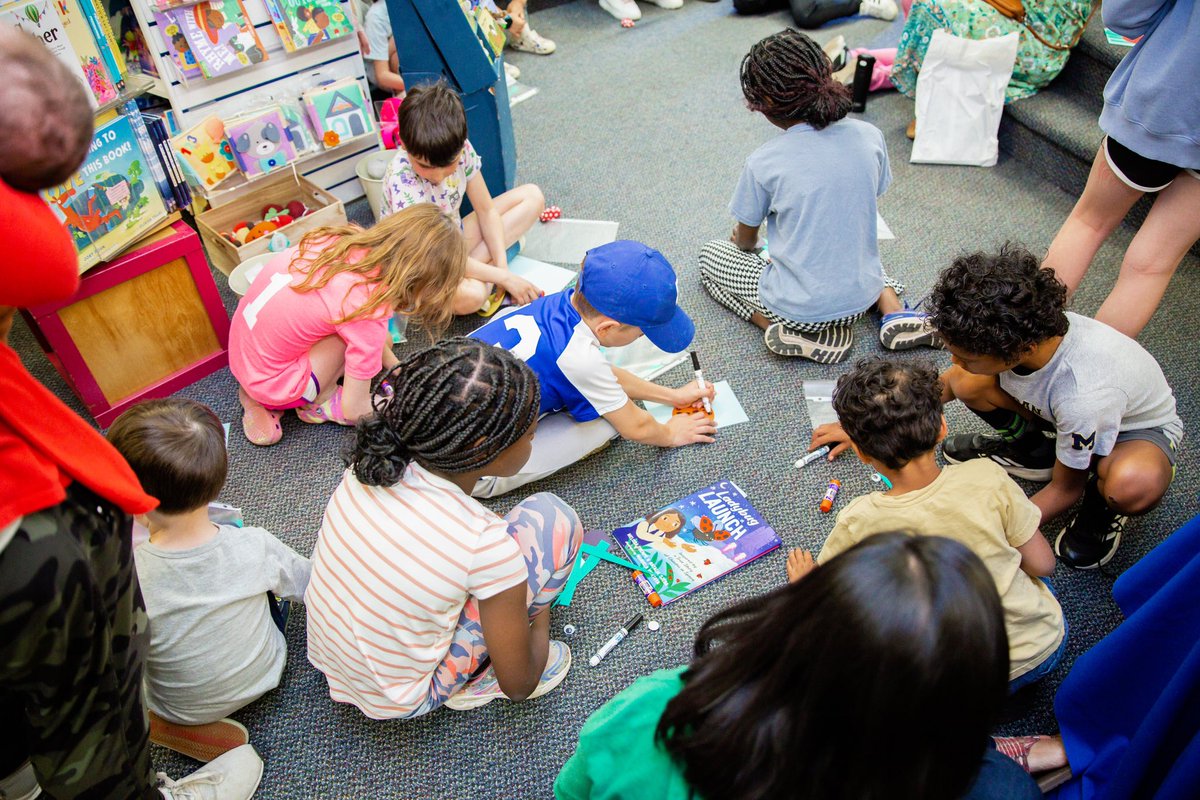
[392, 570]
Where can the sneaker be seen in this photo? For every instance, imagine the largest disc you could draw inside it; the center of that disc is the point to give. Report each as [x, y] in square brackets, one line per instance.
[233, 776]
[825, 347]
[880, 9]
[835, 48]
[1036, 464]
[486, 688]
[201, 742]
[21, 785]
[512, 71]
[622, 9]
[1092, 536]
[903, 330]
[530, 42]
[668, 4]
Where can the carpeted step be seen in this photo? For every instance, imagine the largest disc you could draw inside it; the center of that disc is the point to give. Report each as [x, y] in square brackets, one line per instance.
[1094, 45]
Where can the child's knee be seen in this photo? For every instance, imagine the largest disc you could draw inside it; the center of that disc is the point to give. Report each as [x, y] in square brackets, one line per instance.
[470, 297]
[532, 194]
[1132, 489]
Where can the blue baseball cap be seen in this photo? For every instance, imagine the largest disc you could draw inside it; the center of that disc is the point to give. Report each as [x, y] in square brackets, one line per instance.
[635, 285]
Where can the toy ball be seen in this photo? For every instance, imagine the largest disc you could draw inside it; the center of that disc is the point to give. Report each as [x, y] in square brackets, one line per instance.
[626, 23]
[296, 209]
[278, 242]
[546, 216]
[554, 211]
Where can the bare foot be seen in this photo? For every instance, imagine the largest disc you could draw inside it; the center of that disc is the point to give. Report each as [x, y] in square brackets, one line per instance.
[799, 563]
[1047, 753]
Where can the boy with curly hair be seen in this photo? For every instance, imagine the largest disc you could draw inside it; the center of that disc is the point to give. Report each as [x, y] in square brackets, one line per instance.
[892, 414]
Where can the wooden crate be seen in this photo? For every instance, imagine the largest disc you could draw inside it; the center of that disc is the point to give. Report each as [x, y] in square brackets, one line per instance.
[144, 325]
[225, 255]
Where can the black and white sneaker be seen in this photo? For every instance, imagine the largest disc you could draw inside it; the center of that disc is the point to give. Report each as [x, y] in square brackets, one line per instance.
[825, 347]
[1091, 538]
[1032, 464]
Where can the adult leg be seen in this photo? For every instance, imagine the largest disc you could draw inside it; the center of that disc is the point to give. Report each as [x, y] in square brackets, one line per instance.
[1170, 229]
[1105, 201]
[560, 442]
[1018, 444]
[815, 13]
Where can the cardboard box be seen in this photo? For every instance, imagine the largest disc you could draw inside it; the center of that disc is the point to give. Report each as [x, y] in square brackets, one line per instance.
[325, 209]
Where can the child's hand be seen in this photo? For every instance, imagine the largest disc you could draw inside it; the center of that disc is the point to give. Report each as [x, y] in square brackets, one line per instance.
[690, 429]
[521, 290]
[799, 563]
[691, 393]
[830, 433]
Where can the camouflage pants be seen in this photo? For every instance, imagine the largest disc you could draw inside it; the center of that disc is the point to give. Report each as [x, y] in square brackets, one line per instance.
[72, 648]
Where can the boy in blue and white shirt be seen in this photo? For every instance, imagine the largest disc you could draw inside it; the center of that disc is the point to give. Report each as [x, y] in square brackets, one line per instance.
[626, 289]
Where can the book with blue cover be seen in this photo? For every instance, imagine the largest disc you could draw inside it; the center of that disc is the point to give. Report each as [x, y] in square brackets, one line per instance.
[697, 539]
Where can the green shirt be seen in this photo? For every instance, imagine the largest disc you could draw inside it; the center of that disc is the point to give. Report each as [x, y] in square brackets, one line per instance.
[617, 757]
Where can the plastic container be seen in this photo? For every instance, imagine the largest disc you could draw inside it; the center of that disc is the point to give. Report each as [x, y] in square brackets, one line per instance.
[244, 273]
[373, 164]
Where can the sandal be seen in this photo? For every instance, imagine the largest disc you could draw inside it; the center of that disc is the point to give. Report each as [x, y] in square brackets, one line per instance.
[1017, 748]
[329, 411]
[259, 423]
[493, 303]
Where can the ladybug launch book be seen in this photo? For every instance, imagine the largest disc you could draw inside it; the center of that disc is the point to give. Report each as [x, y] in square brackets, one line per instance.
[697, 539]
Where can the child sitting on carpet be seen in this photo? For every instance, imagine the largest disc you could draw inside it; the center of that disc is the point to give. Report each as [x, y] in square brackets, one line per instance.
[816, 186]
[420, 596]
[435, 163]
[216, 635]
[892, 413]
[318, 313]
[626, 289]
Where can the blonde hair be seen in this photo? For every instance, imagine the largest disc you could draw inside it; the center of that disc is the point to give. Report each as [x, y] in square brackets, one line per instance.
[415, 259]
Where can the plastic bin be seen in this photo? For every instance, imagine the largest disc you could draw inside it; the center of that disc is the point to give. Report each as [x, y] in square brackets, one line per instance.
[373, 186]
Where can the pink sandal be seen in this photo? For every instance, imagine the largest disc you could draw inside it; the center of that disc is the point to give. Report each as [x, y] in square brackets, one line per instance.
[259, 423]
[329, 411]
[1017, 748]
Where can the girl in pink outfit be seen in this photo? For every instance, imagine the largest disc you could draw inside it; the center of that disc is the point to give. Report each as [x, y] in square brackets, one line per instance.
[319, 311]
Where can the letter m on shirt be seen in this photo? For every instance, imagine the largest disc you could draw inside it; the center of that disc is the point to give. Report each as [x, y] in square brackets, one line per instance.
[1081, 442]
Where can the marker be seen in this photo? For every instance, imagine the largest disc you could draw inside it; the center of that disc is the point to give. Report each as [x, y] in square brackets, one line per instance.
[616, 639]
[647, 588]
[831, 493]
[809, 458]
[700, 380]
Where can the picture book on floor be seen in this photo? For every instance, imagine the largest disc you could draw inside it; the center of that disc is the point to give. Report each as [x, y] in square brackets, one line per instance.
[112, 200]
[339, 111]
[304, 23]
[210, 39]
[696, 540]
[205, 152]
[63, 29]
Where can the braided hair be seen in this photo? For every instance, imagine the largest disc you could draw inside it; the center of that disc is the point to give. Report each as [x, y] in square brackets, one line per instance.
[788, 77]
[455, 407]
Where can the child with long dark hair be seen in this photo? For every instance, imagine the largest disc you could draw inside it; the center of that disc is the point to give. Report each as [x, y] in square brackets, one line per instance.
[420, 596]
[815, 186]
[820, 690]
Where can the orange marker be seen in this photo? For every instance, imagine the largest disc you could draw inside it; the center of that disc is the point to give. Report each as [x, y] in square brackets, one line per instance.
[647, 588]
[831, 493]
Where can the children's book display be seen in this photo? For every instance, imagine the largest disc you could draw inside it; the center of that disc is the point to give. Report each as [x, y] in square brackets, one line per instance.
[210, 39]
[696, 540]
[205, 153]
[262, 142]
[304, 23]
[339, 111]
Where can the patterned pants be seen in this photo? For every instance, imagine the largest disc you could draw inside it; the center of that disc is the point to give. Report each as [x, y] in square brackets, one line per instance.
[731, 276]
[72, 647]
[549, 534]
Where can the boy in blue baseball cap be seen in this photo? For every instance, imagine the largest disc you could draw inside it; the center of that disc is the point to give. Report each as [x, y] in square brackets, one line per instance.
[626, 290]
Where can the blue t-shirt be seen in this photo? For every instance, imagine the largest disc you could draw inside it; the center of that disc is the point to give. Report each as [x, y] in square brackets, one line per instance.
[817, 192]
[551, 337]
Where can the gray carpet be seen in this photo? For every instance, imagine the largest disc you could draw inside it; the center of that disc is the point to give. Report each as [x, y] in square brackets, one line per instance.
[648, 127]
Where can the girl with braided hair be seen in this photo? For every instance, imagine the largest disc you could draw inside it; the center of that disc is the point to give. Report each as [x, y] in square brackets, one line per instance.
[816, 186]
[420, 596]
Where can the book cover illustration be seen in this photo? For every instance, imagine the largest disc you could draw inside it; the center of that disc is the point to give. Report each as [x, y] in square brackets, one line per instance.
[108, 203]
[261, 142]
[205, 151]
[304, 23]
[339, 111]
[211, 38]
[697, 539]
[68, 38]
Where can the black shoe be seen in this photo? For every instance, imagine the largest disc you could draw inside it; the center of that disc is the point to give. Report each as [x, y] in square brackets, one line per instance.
[1092, 537]
[1032, 464]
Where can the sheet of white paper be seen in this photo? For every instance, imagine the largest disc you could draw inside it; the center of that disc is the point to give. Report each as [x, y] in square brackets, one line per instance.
[547, 277]
[883, 232]
[564, 241]
[727, 408]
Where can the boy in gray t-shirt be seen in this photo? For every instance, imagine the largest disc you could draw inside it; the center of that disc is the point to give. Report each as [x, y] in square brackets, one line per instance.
[1025, 366]
[216, 634]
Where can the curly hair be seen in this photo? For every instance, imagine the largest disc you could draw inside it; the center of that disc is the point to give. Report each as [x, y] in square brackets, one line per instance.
[789, 78]
[455, 407]
[891, 410]
[998, 305]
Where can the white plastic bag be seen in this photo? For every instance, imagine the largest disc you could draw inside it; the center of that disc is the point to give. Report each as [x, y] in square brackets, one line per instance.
[960, 99]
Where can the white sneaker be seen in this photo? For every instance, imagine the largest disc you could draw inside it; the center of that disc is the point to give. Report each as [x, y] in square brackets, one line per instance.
[669, 4]
[485, 688]
[880, 9]
[232, 776]
[622, 9]
[21, 785]
[530, 42]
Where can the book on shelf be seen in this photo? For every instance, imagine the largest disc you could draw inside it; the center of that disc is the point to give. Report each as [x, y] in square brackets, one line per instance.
[210, 39]
[204, 151]
[304, 23]
[61, 26]
[157, 128]
[262, 141]
[339, 111]
[97, 19]
[697, 539]
[112, 201]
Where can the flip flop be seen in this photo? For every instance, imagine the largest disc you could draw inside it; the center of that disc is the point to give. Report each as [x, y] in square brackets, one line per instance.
[493, 303]
[260, 424]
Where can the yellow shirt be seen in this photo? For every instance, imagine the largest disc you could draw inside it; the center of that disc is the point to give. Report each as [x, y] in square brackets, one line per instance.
[975, 503]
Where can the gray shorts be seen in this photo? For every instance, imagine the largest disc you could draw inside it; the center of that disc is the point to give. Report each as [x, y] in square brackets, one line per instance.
[1153, 435]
